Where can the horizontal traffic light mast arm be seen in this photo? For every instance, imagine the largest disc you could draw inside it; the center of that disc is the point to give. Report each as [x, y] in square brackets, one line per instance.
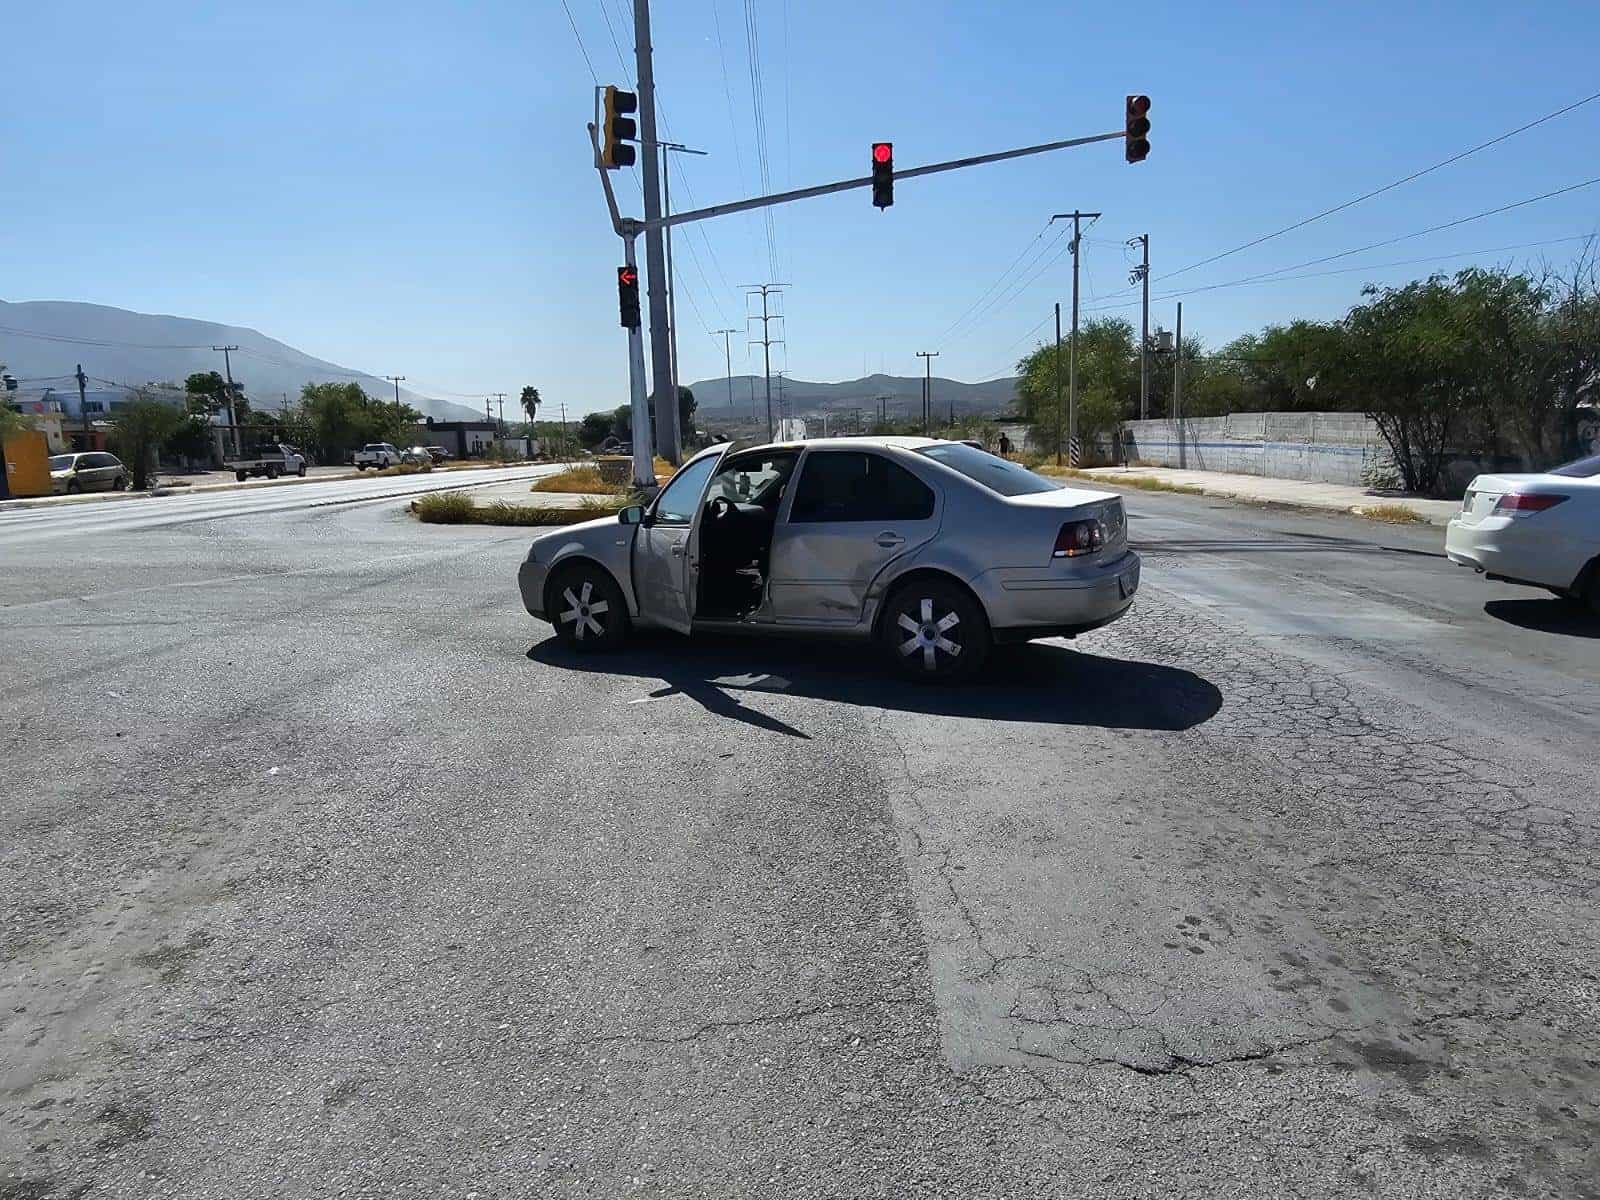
[844, 185]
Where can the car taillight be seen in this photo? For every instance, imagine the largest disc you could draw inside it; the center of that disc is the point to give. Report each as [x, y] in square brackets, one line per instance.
[1077, 538]
[1526, 502]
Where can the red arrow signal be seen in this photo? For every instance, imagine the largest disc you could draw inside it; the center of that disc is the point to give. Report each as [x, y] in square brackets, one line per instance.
[627, 275]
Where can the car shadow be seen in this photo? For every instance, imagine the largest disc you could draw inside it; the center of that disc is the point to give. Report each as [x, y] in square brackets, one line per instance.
[1036, 682]
[1546, 616]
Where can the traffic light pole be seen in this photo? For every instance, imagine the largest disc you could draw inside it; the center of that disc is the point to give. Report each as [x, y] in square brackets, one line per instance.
[845, 185]
[660, 343]
[644, 470]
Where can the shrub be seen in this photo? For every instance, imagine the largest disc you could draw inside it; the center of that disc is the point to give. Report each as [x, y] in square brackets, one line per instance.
[444, 508]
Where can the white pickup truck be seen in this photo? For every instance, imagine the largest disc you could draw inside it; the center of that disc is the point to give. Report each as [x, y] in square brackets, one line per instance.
[271, 460]
[377, 454]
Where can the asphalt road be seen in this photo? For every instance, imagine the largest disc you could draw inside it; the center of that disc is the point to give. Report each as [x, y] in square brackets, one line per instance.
[323, 871]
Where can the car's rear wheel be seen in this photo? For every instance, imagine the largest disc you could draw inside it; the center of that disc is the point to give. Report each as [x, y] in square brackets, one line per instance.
[586, 606]
[301, 471]
[1591, 589]
[934, 632]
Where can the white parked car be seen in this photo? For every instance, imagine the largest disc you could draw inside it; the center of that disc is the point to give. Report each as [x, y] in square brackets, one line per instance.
[377, 454]
[1539, 530]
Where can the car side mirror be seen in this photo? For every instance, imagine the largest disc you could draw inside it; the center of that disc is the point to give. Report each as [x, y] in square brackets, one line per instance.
[633, 514]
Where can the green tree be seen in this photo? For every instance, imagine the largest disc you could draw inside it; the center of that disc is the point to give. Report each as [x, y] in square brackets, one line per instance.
[686, 410]
[191, 439]
[1108, 382]
[142, 426]
[208, 395]
[530, 403]
[595, 428]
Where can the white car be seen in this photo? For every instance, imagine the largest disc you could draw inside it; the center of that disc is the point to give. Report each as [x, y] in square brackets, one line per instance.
[1539, 530]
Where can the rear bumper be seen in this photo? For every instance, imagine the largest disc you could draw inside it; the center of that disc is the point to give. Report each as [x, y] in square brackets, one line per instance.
[1514, 550]
[1029, 604]
[530, 582]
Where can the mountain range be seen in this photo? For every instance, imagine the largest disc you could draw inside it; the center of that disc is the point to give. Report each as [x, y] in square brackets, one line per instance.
[45, 340]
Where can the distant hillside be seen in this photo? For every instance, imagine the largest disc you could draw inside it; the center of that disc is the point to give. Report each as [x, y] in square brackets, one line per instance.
[40, 339]
[904, 394]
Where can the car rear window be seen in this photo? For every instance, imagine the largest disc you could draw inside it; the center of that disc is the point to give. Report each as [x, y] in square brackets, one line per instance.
[995, 473]
[1583, 468]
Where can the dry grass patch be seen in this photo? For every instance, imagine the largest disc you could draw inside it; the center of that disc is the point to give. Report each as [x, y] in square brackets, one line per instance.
[1144, 483]
[457, 508]
[577, 479]
[1393, 514]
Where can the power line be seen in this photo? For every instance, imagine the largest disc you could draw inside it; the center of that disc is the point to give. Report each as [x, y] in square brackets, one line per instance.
[582, 49]
[1404, 262]
[1314, 262]
[615, 45]
[1454, 158]
[1003, 274]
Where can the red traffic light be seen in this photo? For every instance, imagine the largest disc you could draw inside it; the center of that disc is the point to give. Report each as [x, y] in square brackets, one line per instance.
[627, 276]
[883, 152]
[1136, 141]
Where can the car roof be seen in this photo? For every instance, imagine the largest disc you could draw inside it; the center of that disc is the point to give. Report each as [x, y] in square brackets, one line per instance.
[839, 443]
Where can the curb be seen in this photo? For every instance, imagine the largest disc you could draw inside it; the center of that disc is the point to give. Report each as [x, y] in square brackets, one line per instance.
[1356, 510]
[204, 489]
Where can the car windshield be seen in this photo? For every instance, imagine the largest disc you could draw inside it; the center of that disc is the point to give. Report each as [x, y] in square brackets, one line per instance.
[61, 462]
[995, 473]
[1583, 468]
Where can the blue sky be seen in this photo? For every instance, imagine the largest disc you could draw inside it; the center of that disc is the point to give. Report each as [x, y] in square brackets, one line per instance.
[405, 187]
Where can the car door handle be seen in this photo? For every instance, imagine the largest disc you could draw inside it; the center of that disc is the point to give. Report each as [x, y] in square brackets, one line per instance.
[679, 549]
[888, 539]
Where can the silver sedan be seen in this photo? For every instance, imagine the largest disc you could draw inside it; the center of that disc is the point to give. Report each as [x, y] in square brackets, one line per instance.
[933, 549]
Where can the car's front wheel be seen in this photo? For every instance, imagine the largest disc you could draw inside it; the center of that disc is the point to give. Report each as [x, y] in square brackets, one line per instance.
[586, 606]
[934, 632]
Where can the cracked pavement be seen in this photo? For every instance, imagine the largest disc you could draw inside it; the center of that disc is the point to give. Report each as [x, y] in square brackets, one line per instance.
[324, 872]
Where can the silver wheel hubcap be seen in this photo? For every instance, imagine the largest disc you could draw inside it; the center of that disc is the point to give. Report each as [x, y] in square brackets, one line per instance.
[926, 635]
[582, 610]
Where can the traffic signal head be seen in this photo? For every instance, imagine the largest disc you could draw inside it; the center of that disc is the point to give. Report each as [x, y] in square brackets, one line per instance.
[1136, 139]
[617, 129]
[882, 174]
[628, 296]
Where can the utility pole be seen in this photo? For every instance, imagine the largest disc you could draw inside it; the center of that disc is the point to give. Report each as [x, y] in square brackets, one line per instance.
[397, 380]
[1072, 356]
[1177, 384]
[727, 354]
[83, 406]
[672, 289]
[1141, 274]
[766, 339]
[1057, 364]
[927, 357]
[233, 418]
[565, 453]
[501, 397]
[666, 414]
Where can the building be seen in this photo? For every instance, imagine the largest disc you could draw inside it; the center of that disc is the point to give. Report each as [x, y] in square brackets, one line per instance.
[463, 439]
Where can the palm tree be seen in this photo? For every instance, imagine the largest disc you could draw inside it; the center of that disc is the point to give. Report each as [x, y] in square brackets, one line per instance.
[530, 402]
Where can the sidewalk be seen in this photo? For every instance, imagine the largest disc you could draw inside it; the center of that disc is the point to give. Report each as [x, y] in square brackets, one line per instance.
[1331, 497]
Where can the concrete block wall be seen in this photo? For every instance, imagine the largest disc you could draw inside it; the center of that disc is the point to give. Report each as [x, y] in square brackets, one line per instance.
[1316, 447]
